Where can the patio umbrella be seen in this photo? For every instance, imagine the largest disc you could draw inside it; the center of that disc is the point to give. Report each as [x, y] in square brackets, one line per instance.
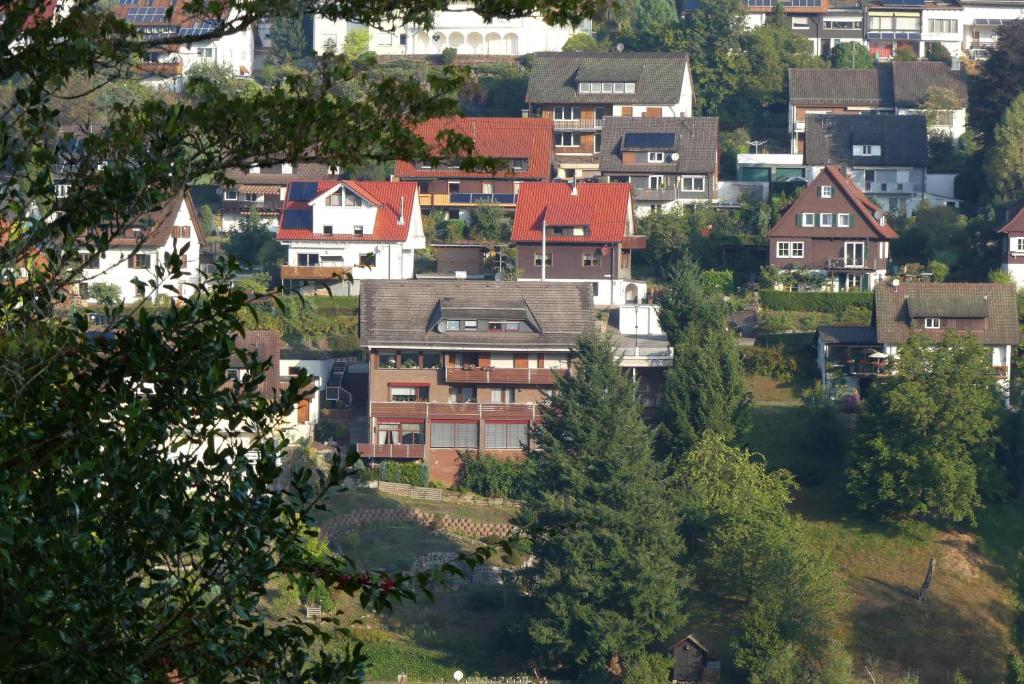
[878, 355]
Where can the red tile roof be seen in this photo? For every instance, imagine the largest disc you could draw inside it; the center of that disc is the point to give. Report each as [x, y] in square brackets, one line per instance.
[391, 197]
[603, 207]
[155, 227]
[505, 138]
[857, 201]
[1015, 224]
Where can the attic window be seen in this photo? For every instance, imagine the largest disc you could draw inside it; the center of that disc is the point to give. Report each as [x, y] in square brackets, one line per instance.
[451, 325]
[469, 325]
[655, 157]
[606, 87]
[825, 191]
[932, 323]
[843, 220]
[867, 150]
[503, 326]
[518, 164]
[574, 231]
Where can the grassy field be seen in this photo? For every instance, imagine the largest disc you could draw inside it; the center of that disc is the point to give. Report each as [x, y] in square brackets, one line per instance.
[886, 628]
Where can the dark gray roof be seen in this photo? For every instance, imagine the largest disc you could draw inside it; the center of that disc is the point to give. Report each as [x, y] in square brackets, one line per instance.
[842, 86]
[695, 140]
[911, 81]
[897, 307]
[925, 305]
[555, 75]
[831, 137]
[847, 334]
[397, 313]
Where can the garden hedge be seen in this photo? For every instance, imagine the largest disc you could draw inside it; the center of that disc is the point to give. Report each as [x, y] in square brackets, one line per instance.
[825, 302]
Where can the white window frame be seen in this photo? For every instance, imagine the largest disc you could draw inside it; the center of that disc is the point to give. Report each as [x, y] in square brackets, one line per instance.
[655, 157]
[574, 113]
[693, 182]
[843, 220]
[231, 195]
[451, 325]
[863, 254]
[932, 323]
[867, 150]
[789, 250]
[655, 182]
[807, 219]
[574, 139]
[630, 87]
[1017, 244]
[825, 191]
[825, 220]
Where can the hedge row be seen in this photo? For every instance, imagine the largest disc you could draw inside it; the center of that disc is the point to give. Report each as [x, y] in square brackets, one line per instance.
[824, 302]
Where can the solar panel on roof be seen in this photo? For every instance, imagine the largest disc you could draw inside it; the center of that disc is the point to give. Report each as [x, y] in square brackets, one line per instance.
[302, 192]
[207, 26]
[901, 2]
[649, 141]
[146, 15]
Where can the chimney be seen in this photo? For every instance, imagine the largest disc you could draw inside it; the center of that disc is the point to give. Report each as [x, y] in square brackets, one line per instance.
[401, 211]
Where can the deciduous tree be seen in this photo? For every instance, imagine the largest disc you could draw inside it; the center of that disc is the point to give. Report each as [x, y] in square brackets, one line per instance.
[851, 55]
[1004, 163]
[999, 81]
[714, 40]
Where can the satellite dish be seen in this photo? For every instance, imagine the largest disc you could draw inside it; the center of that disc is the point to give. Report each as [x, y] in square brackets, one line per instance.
[620, 47]
[878, 214]
[675, 156]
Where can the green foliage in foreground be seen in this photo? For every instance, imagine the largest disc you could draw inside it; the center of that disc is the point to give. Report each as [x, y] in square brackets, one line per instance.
[316, 320]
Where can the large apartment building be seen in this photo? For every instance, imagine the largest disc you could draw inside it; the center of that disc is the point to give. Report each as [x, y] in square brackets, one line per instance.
[463, 365]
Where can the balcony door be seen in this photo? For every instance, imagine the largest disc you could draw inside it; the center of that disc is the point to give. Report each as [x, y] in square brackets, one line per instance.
[853, 253]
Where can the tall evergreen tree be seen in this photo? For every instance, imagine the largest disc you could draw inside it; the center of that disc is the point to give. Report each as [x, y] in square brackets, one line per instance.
[1000, 80]
[608, 584]
[688, 301]
[714, 41]
[1004, 165]
[288, 38]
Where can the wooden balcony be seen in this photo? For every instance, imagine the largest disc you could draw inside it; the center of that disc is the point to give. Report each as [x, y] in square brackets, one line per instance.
[421, 410]
[577, 124]
[410, 451]
[159, 68]
[466, 199]
[314, 272]
[455, 375]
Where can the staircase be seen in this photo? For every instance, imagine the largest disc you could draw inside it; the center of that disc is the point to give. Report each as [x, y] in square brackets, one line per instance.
[333, 391]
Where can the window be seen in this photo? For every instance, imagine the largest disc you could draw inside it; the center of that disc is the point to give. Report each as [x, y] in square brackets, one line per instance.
[410, 359]
[451, 325]
[387, 360]
[506, 435]
[454, 186]
[883, 250]
[867, 151]
[207, 53]
[789, 250]
[94, 262]
[409, 393]
[800, 23]
[519, 164]
[537, 256]
[503, 326]
[328, 230]
[181, 231]
[353, 200]
[368, 260]
[692, 183]
[286, 169]
[825, 191]
[1017, 244]
[567, 113]
[413, 433]
[825, 220]
[61, 190]
[843, 220]
[308, 259]
[462, 395]
[942, 26]
[139, 261]
[853, 253]
[503, 395]
[567, 139]
[433, 359]
[844, 24]
[83, 290]
[445, 435]
[230, 195]
[357, 230]
[469, 325]
[655, 157]
[591, 260]
[807, 220]
[140, 289]
[932, 323]
[655, 182]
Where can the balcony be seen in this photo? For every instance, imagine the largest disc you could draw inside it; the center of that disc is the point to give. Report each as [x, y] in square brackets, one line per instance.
[421, 410]
[242, 206]
[659, 195]
[160, 68]
[893, 187]
[467, 199]
[411, 451]
[455, 375]
[314, 272]
[577, 124]
[844, 264]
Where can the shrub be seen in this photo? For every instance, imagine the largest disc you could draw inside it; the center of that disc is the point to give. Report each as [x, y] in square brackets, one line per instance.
[771, 362]
[448, 55]
[415, 474]
[321, 594]
[488, 475]
[105, 293]
[825, 302]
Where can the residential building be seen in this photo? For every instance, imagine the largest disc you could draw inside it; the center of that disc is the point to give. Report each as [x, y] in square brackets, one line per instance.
[833, 228]
[842, 22]
[577, 90]
[942, 24]
[894, 88]
[262, 189]
[885, 155]
[167, 66]
[667, 161]
[777, 170]
[893, 24]
[135, 254]
[342, 232]
[1013, 247]
[980, 22]
[581, 233]
[328, 35]
[855, 355]
[459, 27]
[526, 145]
[463, 365]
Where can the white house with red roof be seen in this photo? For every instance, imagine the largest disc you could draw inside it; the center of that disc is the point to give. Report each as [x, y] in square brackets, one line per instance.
[1013, 247]
[579, 233]
[834, 229]
[342, 231]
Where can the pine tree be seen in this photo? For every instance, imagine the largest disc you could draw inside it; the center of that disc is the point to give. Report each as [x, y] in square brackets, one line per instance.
[607, 581]
[288, 38]
[687, 300]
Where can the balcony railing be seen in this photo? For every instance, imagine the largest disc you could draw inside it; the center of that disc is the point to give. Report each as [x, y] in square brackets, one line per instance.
[577, 124]
[455, 375]
[390, 450]
[421, 410]
[314, 272]
[888, 186]
[160, 68]
[440, 199]
[273, 205]
[844, 264]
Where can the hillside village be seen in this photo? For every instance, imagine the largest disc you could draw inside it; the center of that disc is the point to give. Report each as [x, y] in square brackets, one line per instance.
[675, 343]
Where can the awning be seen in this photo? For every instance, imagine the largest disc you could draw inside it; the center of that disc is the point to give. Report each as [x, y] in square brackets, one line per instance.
[259, 189]
[989, 22]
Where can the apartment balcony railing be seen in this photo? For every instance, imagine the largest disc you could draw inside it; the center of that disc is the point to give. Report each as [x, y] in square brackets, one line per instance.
[422, 410]
[894, 187]
[577, 124]
[455, 375]
[437, 199]
[160, 68]
[844, 264]
[272, 205]
[314, 272]
[412, 451]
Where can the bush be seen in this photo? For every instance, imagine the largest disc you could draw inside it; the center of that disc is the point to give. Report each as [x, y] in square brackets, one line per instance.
[321, 594]
[784, 321]
[490, 476]
[825, 302]
[106, 293]
[448, 55]
[771, 362]
[415, 474]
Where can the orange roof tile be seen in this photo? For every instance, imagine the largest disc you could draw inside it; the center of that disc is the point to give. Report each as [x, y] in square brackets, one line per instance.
[603, 207]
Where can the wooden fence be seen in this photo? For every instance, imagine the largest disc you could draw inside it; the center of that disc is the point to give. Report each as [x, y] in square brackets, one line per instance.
[432, 494]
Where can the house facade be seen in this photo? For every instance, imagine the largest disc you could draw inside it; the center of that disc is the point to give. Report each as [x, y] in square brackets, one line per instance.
[579, 233]
[339, 233]
[263, 189]
[577, 90]
[885, 155]
[135, 254]
[1013, 247]
[834, 229]
[889, 88]
[463, 365]
[526, 145]
[667, 161]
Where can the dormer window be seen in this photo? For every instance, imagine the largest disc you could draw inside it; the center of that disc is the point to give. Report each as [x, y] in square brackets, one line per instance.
[825, 191]
[655, 157]
[569, 231]
[469, 325]
[328, 230]
[357, 230]
[503, 326]
[519, 164]
[591, 87]
[932, 323]
[867, 150]
[286, 169]
[451, 326]
[254, 169]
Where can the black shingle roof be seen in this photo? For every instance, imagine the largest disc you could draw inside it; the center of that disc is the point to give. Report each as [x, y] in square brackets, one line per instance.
[831, 137]
[895, 309]
[555, 76]
[396, 313]
[896, 84]
[695, 139]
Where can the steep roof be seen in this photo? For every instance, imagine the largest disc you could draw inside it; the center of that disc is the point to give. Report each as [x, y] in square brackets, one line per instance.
[555, 76]
[395, 313]
[502, 137]
[170, 17]
[154, 228]
[831, 137]
[266, 344]
[911, 81]
[841, 86]
[1014, 225]
[603, 207]
[695, 139]
[391, 198]
[897, 306]
[847, 196]
[273, 175]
